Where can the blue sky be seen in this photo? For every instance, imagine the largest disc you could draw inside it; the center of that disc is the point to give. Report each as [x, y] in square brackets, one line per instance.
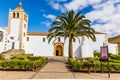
[104, 14]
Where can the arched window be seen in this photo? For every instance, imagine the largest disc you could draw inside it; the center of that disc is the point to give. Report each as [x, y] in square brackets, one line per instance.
[17, 15]
[13, 15]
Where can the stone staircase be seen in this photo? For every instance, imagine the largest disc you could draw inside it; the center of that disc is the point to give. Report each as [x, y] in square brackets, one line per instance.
[12, 52]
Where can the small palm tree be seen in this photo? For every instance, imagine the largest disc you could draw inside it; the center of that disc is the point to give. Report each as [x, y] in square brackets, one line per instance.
[70, 25]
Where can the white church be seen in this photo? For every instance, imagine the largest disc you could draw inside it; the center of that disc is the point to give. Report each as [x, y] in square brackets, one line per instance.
[16, 36]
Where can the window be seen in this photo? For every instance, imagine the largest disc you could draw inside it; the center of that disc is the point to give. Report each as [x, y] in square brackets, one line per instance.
[25, 17]
[24, 34]
[13, 45]
[12, 38]
[1, 36]
[74, 40]
[43, 39]
[0, 39]
[17, 15]
[4, 48]
[13, 15]
[59, 39]
[25, 26]
[27, 38]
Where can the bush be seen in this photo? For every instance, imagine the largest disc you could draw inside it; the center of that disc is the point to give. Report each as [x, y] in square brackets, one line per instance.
[96, 53]
[115, 57]
[2, 57]
[76, 66]
[20, 57]
[93, 64]
[22, 64]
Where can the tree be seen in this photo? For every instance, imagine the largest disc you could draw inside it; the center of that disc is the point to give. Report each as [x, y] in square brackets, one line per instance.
[70, 25]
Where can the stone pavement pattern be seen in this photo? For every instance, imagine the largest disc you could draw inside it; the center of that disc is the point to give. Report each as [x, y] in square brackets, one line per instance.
[55, 69]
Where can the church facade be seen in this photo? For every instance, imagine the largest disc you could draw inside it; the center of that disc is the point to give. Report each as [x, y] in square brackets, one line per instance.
[16, 36]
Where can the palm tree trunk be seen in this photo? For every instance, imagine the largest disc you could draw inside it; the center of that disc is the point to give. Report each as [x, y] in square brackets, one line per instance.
[70, 48]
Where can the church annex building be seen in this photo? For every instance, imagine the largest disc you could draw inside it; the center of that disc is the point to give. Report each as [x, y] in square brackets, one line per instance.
[16, 36]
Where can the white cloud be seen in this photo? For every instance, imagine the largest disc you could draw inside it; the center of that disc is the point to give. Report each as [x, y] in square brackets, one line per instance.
[108, 14]
[75, 4]
[47, 23]
[80, 4]
[50, 16]
[3, 28]
[92, 2]
[58, 0]
[56, 4]
[42, 10]
[105, 12]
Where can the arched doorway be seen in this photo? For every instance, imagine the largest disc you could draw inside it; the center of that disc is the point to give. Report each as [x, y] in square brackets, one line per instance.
[58, 49]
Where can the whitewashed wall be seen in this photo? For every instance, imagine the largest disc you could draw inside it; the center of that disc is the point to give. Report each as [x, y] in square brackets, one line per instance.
[113, 48]
[15, 27]
[36, 46]
[1, 47]
[2, 43]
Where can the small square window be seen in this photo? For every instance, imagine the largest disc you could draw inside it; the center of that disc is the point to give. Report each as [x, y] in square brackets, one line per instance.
[59, 39]
[24, 34]
[43, 39]
[74, 40]
[0, 39]
[27, 38]
[24, 26]
[12, 38]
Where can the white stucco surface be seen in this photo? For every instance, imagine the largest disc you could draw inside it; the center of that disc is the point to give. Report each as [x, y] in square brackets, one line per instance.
[15, 27]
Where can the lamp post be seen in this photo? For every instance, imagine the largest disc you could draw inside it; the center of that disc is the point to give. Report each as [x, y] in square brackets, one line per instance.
[104, 56]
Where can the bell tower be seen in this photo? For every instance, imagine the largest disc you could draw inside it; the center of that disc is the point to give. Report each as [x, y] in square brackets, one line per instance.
[17, 27]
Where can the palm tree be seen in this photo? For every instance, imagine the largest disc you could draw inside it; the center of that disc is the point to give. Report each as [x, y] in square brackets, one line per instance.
[70, 25]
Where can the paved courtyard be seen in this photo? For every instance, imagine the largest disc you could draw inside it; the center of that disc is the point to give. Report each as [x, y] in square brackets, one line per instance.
[56, 68]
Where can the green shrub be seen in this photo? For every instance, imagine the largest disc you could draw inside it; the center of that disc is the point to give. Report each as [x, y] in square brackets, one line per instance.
[2, 57]
[22, 64]
[76, 66]
[20, 57]
[96, 53]
[4, 64]
[70, 60]
[94, 64]
[116, 66]
[115, 57]
[114, 61]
